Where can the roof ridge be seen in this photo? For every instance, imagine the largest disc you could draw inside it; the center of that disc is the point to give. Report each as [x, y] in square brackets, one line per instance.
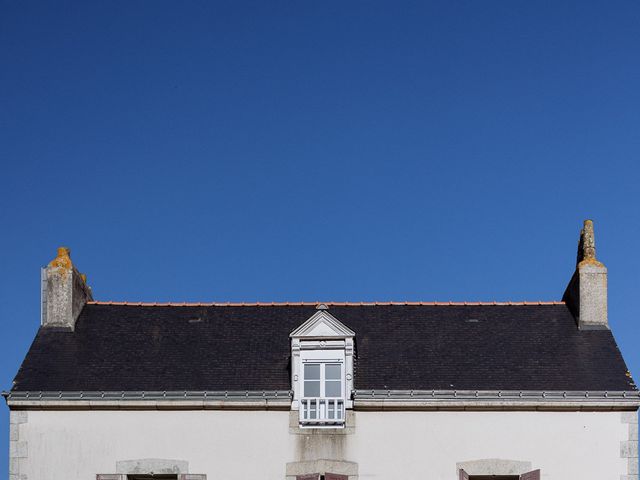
[300, 304]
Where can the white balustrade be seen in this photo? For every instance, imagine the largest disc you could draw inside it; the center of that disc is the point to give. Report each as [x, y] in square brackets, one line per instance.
[322, 411]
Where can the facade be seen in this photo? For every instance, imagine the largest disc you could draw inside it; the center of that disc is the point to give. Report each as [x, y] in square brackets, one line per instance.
[338, 391]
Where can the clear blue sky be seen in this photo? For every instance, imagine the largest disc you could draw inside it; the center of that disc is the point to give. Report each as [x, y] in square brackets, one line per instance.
[204, 151]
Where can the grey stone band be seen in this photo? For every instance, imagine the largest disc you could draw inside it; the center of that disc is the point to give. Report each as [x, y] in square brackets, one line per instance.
[18, 446]
[494, 466]
[629, 448]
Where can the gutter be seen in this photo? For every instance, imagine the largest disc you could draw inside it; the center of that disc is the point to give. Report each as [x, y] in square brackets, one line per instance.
[362, 400]
[494, 399]
[170, 400]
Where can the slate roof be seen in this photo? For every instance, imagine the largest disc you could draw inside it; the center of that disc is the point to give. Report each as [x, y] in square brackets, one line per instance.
[218, 348]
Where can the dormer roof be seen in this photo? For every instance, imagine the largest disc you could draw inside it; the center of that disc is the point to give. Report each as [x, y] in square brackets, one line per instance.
[322, 325]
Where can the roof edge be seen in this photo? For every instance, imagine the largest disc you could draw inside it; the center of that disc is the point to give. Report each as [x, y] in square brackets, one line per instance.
[363, 399]
[496, 399]
[170, 400]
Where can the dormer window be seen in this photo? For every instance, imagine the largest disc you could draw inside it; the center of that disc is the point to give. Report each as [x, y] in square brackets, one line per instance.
[322, 370]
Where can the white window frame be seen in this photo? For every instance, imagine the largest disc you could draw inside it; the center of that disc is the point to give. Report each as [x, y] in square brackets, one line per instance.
[324, 358]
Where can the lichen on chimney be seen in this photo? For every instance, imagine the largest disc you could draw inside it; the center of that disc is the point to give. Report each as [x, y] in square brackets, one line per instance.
[587, 245]
[63, 259]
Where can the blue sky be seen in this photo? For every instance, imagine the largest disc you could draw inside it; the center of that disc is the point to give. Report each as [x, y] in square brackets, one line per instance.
[205, 151]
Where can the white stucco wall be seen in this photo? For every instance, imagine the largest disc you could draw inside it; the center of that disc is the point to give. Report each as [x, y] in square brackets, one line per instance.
[239, 445]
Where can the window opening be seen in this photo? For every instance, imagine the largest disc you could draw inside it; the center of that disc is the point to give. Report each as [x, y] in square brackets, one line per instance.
[534, 475]
[317, 476]
[494, 477]
[152, 477]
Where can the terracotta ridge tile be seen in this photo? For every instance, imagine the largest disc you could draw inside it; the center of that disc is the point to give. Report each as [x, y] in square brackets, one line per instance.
[335, 304]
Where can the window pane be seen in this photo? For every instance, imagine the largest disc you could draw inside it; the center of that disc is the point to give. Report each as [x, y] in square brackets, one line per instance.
[312, 388]
[312, 371]
[333, 371]
[332, 388]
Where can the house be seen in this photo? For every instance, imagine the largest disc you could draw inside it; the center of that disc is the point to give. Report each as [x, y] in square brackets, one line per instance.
[284, 391]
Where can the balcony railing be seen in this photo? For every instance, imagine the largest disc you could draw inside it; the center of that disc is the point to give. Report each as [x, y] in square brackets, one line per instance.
[321, 411]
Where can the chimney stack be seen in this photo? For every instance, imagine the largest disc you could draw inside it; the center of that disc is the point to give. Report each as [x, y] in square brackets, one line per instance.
[64, 292]
[586, 294]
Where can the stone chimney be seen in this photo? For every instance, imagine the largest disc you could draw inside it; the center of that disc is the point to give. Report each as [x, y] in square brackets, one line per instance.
[64, 292]
[586, 294]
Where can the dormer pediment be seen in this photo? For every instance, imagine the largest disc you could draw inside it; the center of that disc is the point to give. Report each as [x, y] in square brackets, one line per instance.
[322, 325]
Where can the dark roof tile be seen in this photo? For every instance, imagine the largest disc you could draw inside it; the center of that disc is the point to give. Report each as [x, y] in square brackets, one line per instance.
[472, 347]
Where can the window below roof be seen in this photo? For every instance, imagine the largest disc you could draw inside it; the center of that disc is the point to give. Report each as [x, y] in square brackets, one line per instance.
[494, 477]
[326, 476]
[533, 475]
[152, 477]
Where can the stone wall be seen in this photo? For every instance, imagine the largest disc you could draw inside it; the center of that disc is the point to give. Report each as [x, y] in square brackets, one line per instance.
[236, 445]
